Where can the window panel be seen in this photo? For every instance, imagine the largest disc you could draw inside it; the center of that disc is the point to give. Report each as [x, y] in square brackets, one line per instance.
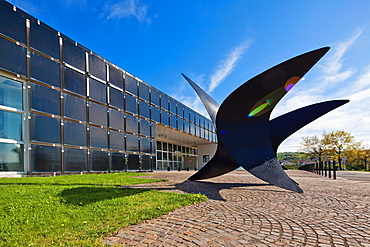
[44, 40]
[116, 119]
[145, 145]
[132, 143]
[74, 81]
[10, 125]
[164, 101]
[186, 126]
[186, 113]
[192, 129]
[13, 24]
[75, 160]
[117, 140]
[99, 160]
[115, 77]
[180, 110]
[173, 106]
[11, 156]
[131, 84]
[46, 158]
[191, 116]
[180, 124]
[74, 107]
[73, 55]
[117, 161]
[133, 162]
[153, 130]
[164, 117]
[12, 57]
[45, 69]
[144, 109]
[75, 133]
[97, 91]
[97, 67]
[116, 98]
[45, 129]
[145, 162]
[11, 93]
[144, 127]
[173, 121]
[98, 114]
[131, 104]
[154, 97]
[98, 137]
[144, 91]
[155, 114]
[153, 147]
[45, 99]
[131, 124]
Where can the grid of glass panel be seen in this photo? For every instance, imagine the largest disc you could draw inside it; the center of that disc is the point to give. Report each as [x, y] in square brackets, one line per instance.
[175, 157]
[85, 114]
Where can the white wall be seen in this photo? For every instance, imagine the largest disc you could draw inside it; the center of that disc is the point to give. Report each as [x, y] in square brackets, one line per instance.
[205, 149]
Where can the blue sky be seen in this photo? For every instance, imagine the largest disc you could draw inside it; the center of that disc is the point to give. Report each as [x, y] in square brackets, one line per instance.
[222, 44]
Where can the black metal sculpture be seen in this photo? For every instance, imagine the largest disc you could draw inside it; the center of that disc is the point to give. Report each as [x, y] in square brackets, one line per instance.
[246, 135]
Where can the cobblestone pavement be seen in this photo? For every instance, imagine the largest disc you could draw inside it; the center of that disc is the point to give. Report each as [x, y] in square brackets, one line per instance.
[244, 211]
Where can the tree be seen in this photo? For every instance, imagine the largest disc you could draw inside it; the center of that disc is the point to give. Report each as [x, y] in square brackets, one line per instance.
[358, 155]
[314, 146]
[338, 142]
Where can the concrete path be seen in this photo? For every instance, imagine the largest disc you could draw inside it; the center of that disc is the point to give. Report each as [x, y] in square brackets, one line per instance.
[244, 211]
[354, 175]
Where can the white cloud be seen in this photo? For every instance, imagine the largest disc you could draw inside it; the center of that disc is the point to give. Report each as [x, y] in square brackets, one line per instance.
[226, 66]
[126, 9]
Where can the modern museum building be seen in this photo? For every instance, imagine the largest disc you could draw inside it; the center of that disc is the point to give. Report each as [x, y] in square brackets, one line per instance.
[65, 109]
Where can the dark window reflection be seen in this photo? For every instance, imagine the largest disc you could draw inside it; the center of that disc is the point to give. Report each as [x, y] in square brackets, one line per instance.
[132, 143]
[145, 145]
[97, 67]
[117, 161]
[75, 159]
[144, 109]
[133, 162]
[44, 69]
[164, 117]
[13, 24]
[144, 127]
[11, 93]
[145, 163]
[116, 98]
[98, 114]
[131, 124]
[154, 97]
[131, 84]
[74, 107]
[116, 119]
[99, 160]
[164, 101]
[12, 57]
[44, 40]
[73, 55]
[10, 125]
[155, 114]
[45, 129]
[74, 81]
[115, 77]
[45, 99]
[98, 137]
[11, 156]
[97, 91]
[131, 104]
[46, 158]
[117, 140]
[75, 133]
[144, 91]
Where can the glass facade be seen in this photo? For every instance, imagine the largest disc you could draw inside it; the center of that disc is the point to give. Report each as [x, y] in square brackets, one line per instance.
[64, 108]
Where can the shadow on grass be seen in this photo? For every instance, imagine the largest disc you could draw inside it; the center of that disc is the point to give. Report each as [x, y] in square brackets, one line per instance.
[87, 195]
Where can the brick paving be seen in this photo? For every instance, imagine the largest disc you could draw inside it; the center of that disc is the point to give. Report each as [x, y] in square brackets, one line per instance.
[245, 211]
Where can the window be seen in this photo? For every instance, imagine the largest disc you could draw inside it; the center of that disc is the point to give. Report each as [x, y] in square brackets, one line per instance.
[173, 121]
[75, 159]
[180, 124]
[13, 24]
[73, 55]
[118, 161]
[98, 137]
[116, 119]
[155, 97]
[11, 156]
[97, 91]
[115, 77]
[164, 101]
[117, 140]
[145, 162]
[144, 127]
[131, 104]
[45, 70]
[144, 91]
[45, 99]
[173, 106]
[144, 109]
[206, 158]
[98, 114]
[164, 117]
[133, 161]
[97, 67]
[131, 124]
[44, 40]
[132, 143]
[12, 57]
[116, 98]
[145, 145]
[99, 160]
[75, 133]
[155, 113]
[74, 81]
[46, 158]
[10, 93]
[74, 107]
[131, 85]
[45, 129]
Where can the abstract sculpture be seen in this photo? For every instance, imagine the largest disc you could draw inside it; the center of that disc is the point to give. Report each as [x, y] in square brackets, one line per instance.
[246, 135]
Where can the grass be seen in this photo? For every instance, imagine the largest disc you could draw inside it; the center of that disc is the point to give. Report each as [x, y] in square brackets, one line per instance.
[78, 210]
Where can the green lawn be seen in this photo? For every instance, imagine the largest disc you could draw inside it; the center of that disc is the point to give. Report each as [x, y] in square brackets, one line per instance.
[78, 210]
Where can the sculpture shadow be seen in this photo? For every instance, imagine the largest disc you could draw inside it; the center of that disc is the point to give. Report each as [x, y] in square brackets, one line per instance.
[86, 195]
